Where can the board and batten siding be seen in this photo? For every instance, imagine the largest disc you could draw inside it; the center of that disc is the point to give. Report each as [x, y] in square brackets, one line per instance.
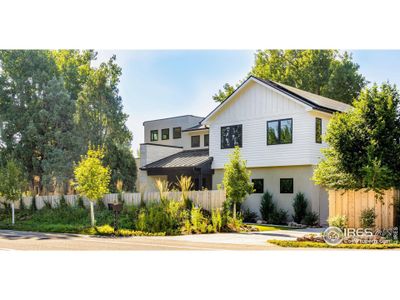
[253, 107]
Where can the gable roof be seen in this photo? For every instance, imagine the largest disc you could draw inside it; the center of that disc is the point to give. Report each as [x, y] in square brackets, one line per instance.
[183, 159]
[314, 101]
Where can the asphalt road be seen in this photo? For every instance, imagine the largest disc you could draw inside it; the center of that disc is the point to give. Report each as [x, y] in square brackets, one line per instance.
[17, 240]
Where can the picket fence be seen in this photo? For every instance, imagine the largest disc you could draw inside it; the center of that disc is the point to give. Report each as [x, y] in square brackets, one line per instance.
[209, 199]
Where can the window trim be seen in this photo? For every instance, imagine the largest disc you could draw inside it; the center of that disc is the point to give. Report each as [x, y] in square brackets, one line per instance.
[191, 141]
[279, 131]
[162, 134]
[318, 139]
[241, 144]
[180, 133]
[262, 180]
[280, 185]
[151, 135]
[204, 140]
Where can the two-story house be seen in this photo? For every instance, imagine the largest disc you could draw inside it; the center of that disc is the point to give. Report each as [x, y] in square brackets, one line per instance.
[278, 128]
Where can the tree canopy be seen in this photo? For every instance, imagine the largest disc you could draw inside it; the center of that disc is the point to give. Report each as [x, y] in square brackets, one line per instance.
[327, 73]
[52, 105]
[364, 143]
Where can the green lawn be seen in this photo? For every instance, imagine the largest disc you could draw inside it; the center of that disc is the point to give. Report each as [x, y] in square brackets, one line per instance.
[261, 227]
[296, 244]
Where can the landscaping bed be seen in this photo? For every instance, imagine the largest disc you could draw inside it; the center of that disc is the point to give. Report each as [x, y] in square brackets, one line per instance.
[306, 244]
[152, 219]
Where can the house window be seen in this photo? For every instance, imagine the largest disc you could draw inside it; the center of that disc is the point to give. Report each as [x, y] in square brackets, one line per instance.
[286, 186]
[154, 135]
[279, 132]
[206, 140]
[231, 136]
[318, 130]
[177, 132]
[165, 134]
[258, 185]
[195, 141]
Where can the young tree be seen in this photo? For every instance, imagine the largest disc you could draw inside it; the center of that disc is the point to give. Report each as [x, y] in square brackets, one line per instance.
[92, 178]
[12, 184]
[236, 179]
[327, 73]
[364, 144]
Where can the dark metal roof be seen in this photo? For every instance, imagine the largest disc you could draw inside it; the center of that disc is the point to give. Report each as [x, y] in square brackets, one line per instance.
[183, 159]
[196, 127]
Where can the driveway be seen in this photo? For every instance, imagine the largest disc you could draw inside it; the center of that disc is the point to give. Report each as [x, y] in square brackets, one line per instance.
[18, 240]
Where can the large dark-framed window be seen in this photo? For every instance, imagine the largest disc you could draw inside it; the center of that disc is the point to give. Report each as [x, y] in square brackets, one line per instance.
[258, 185]
[195, 141]
[206, 140]
[165, 134]
[280, 132]
[318, 130]
[154, 135]
[177, 132]
[286, 185]
[231, 136]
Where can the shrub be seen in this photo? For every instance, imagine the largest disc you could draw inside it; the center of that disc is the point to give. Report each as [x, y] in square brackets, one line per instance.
[216, 220]
[47, 204]
[33, 207]
[104, 230]
[249, 216]
[279, 217]
[367, 218]
[196, 219]
[311, 218]
[80, 203]
[338, 221]
[234, 224]
[21, 204]
[100, 205]
[300, 205]
[63, 203]
[267, 207]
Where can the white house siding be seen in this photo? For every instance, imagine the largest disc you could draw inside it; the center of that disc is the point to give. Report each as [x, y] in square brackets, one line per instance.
[316, 195]
[183, 121]
[253, 107]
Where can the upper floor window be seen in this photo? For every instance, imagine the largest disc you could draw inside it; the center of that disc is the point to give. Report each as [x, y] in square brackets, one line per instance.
[154, 135]
[279, 132]
[258, 185]
[206, 140]
[177, 132]
[165, 134]
[231, 136]
[318, 130]
[195, 141]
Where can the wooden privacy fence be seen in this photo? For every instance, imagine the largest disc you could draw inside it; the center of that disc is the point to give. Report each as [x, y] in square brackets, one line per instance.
[352, 203]
[205, 199]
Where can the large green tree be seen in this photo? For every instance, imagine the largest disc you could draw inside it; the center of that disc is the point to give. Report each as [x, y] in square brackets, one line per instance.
[364, 143]
[52, 105]
[328, 73]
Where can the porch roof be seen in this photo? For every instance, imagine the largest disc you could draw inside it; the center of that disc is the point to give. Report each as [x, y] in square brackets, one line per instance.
[183, 159]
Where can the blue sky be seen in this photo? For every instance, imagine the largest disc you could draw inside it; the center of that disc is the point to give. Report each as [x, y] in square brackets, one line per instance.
[163, 83]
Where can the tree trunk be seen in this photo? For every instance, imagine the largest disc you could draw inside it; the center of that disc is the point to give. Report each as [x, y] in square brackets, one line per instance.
[12, 213]
[92, 221]
[234, 210]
